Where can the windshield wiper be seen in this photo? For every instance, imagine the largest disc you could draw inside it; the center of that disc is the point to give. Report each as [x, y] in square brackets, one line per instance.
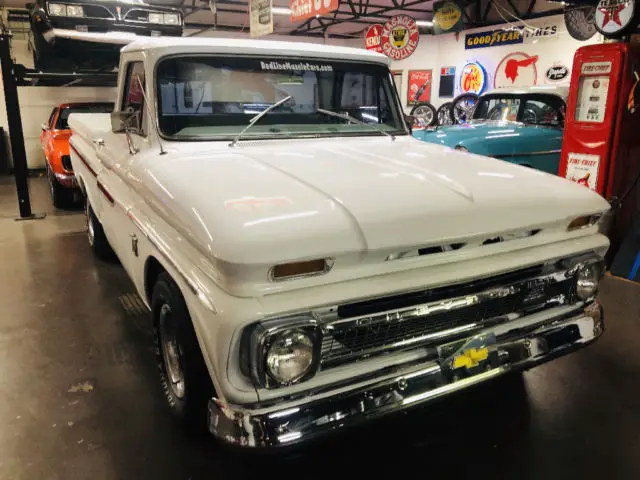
[346, 116]
[258, 117]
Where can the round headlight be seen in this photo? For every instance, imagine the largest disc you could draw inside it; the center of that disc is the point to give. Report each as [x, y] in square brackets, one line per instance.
[587, 281]
[290, 357]
[462, 148]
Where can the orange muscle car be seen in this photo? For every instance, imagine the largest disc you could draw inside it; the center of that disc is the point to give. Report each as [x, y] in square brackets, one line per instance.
[55, 143]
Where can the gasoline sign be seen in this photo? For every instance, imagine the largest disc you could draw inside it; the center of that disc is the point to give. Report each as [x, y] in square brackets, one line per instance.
[372, 38]
[399, 37]
[614, 16]
[473, 78]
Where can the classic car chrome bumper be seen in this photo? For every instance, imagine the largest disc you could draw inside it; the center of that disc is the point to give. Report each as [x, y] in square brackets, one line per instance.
[288, 423]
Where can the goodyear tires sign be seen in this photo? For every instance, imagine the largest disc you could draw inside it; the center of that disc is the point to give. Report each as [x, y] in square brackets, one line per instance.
[492, 38]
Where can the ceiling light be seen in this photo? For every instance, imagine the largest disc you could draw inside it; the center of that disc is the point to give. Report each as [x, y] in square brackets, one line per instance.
[424, 23]
[281, 11]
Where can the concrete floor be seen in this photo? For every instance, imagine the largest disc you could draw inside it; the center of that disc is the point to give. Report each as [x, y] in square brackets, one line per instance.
[79, 397]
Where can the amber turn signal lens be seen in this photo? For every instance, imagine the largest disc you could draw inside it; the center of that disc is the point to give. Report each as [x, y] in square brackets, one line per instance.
[582, 222]
[297, 269]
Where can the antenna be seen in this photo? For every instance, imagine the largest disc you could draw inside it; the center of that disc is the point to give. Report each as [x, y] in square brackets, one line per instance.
[151, 117]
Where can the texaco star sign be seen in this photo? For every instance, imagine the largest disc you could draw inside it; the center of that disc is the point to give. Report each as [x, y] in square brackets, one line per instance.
[614, 16]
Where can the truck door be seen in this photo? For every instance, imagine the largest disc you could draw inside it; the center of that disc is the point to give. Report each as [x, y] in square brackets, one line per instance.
[118, 152]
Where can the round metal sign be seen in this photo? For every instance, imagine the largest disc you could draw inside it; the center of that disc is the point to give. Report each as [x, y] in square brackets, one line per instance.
[473, 78]
[372, 38]
[614, 16]
[399, 37]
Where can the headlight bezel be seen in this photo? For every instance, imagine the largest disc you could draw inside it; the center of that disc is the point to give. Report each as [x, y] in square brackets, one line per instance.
[177, 19]
[158, 16]
[79, 11]
[595, 269]
[257, 341]
[62, 9]
[461, 148]
[578, 264]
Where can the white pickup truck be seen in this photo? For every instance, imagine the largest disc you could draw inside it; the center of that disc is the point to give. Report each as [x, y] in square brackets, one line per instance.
[310, 265]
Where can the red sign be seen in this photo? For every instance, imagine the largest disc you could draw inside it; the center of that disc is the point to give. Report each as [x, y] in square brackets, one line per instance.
[516, 70]
[372, 38]
[399, 37]
[419, 90]
[303, 9]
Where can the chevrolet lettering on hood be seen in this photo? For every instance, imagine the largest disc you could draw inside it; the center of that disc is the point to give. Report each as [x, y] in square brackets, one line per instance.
[308, 264]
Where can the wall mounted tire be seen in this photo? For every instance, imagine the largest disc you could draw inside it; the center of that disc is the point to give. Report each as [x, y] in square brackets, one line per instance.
[184, 376]
[463, 107]
[426, 113]
[97, 239]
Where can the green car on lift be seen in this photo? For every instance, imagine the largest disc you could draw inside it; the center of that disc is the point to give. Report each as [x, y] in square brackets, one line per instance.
[519, 125]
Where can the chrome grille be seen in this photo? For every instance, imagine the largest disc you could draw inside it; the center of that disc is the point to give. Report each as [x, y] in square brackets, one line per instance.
[430, 316]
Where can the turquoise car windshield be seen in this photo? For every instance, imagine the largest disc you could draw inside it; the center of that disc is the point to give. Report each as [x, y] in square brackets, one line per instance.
[531, 109]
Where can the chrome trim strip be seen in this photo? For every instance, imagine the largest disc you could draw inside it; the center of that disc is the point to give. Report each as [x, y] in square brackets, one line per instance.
[286, 423]
[528, 154]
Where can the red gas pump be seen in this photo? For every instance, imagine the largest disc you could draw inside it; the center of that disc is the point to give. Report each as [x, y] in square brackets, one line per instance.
[601, 146]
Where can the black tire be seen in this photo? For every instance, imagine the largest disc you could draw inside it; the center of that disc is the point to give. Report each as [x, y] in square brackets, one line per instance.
[61, 196]
[463, 107]
[184, 376]
[426, 113]
[444, 114]
[97, 239]
[580, 21]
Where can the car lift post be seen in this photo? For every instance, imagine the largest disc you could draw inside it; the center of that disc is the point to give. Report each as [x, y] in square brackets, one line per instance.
[16, 135]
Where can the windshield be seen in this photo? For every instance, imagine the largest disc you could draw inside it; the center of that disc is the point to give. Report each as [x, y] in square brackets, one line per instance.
[63, 118]
[206, 97]
[531, 109]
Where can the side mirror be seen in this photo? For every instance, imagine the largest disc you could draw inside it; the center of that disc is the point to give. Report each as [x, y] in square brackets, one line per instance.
[409, 120]
[44, 126]
[122, 121]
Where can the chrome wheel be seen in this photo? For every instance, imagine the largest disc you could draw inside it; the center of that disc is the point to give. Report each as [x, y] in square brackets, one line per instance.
[425, 114]
[463, 107]
[171, 352]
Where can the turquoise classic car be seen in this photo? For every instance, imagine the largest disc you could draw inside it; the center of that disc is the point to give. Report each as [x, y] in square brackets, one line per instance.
[522, 126]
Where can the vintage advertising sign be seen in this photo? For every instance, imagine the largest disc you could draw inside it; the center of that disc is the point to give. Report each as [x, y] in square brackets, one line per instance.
[493, 38]
[595, 68]
[260, 17]
[556, 73]
[516, 70]
[582, 168]
[419, 89]
[399, 37]
[303, 9]
[534, 34]
[447, 81]
[473, 78]
[447, 17]
[372, 38]
[614, 16]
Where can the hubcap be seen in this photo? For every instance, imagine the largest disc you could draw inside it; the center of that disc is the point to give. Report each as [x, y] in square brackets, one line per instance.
[171, 353]
[425, 114]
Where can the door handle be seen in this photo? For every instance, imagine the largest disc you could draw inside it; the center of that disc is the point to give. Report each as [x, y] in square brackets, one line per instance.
[98, 142]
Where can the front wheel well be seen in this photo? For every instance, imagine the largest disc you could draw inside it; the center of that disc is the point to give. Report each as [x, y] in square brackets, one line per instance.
[152, 270]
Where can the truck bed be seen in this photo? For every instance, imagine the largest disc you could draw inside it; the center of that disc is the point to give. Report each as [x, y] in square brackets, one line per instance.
[90, 125]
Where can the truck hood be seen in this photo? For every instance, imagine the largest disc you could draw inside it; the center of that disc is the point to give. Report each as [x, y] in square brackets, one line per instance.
[483, 132]
[278, 200]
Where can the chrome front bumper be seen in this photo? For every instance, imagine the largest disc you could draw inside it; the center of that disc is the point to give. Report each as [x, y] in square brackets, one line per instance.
[292, 422]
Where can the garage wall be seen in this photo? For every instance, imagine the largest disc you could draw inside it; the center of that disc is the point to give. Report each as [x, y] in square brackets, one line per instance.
[36, 104]
[437, 51]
